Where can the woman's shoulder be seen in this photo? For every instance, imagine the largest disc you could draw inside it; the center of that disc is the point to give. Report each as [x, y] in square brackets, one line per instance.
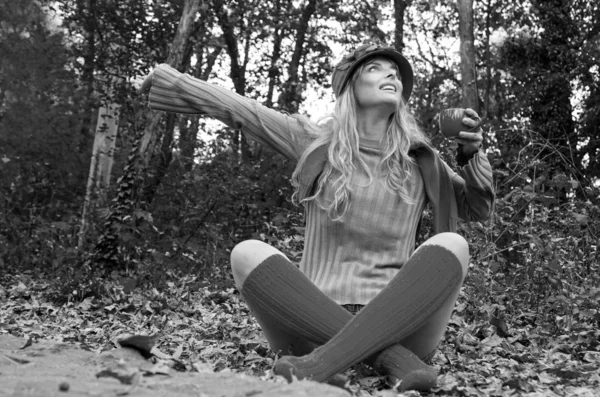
[420, 148]
[317, 127]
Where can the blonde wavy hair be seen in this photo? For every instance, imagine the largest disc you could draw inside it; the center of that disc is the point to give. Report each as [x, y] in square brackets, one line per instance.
[339, 131]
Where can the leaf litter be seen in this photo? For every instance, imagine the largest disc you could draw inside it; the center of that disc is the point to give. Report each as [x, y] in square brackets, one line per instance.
[198, 329]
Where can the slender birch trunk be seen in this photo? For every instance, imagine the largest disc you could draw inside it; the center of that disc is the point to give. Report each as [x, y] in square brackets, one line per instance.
[101, 162]
[468, 66]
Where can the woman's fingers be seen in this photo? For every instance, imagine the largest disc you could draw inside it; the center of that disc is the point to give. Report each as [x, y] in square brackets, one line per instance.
[470, 141]
[472, 120]
[471, 123]
[470, 137]
[471, 113]
[147, 83]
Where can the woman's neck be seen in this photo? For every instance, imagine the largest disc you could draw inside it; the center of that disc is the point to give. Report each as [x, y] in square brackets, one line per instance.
[372, 125]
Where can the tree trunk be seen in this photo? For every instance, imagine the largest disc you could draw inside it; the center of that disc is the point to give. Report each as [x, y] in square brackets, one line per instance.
[188, 131]
[176, 60]
[275, 56]
[399, 11]
[163, 161]
[237, 71]
[179, 56]
[101, 163]
[488, 63]
[274, 71]
[210, 63]
[291, 93]
[245, 145]
[552, 113]
[87, 76]
[470, 96]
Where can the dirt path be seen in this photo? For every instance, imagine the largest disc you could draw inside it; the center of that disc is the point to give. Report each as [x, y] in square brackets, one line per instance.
[57, 369]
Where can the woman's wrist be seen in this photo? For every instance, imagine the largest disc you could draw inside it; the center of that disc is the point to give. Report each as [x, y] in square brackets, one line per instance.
[463, 155]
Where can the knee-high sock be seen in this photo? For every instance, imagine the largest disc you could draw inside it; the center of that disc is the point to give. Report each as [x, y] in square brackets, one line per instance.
[429, 277]
[281, 294]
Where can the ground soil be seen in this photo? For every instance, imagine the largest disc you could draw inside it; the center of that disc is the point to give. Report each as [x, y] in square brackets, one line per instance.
[46, 368]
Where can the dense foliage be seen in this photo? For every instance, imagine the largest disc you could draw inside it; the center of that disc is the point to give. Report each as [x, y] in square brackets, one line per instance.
[535, 265]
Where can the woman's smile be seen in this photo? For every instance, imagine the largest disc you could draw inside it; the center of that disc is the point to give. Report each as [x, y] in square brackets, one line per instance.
[389, 87]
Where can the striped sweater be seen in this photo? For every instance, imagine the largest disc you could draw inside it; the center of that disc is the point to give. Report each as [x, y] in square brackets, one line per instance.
[353, 259]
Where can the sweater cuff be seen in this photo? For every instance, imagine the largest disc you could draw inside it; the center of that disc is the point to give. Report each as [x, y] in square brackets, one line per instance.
[461, 157]
[478, 171]
[165, 94]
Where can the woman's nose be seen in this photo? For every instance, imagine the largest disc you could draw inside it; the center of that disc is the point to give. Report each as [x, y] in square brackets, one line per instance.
[392, 73]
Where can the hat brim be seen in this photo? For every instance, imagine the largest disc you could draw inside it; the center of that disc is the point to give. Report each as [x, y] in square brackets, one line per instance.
[404, 68]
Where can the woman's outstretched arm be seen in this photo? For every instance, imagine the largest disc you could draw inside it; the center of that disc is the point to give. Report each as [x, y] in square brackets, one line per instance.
[173, 91]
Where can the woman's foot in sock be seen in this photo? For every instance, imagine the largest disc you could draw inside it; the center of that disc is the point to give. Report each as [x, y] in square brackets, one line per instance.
[291, 367]
[420, 379]
[285, 367]
[404, 369]
[338, 380]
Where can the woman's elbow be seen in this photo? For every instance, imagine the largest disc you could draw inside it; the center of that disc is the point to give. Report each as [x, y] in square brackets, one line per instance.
[481, 212]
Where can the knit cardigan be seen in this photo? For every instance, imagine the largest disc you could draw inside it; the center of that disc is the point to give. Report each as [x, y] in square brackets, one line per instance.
[438, 181]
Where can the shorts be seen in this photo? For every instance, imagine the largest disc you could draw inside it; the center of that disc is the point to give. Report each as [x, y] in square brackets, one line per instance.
[353, 308]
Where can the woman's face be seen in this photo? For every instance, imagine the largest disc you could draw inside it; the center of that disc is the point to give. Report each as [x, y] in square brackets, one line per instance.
[378, 85]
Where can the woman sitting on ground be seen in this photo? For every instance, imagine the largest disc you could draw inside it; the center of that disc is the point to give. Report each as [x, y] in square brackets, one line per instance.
[362, 292]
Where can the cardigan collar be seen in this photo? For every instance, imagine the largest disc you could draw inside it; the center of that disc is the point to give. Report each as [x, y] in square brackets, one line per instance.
[437, 181]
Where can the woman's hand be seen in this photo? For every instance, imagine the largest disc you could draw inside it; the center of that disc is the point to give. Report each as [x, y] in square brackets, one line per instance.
[471, 140]
[145, 85]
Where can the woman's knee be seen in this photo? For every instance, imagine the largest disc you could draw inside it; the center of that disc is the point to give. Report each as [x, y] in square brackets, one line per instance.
[246, 256]
[454, 243]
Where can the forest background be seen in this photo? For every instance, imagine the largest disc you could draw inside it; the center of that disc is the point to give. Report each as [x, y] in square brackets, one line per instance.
[101, 198]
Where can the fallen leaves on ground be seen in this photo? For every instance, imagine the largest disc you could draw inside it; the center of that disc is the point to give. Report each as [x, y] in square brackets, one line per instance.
[202, 330]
